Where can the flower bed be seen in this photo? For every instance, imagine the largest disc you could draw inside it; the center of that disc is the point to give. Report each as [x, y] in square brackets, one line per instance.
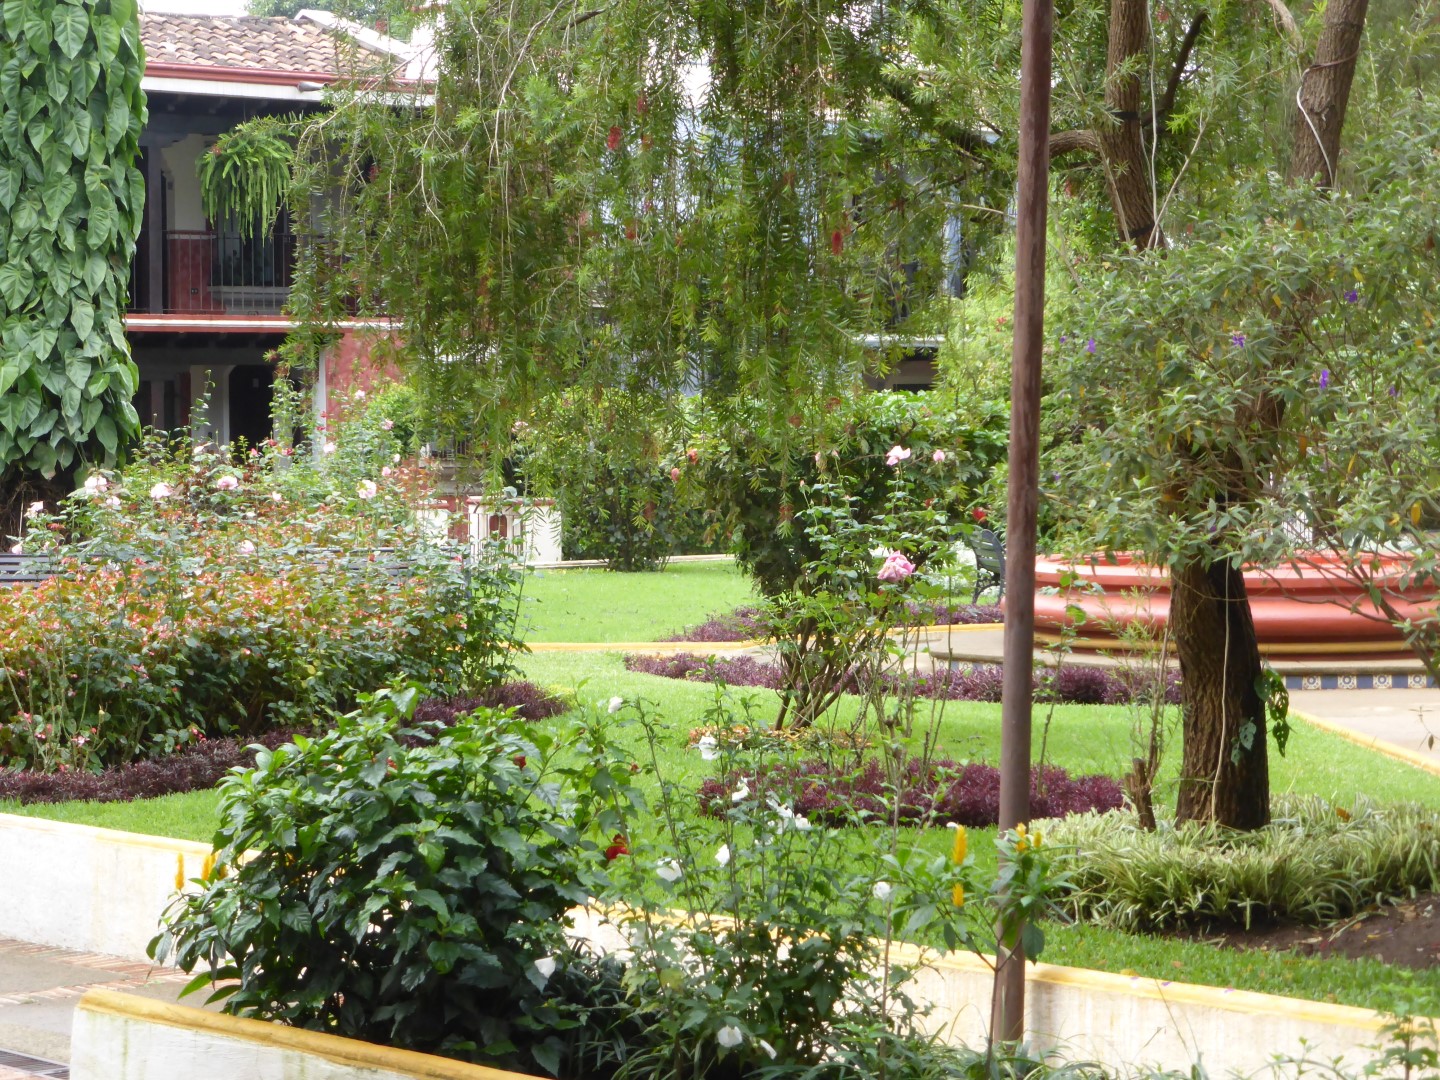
[206, 591]
[1069, 685]
[934, 793]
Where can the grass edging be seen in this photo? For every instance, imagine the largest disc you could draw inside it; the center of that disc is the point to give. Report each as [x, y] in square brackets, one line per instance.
[1371, 742]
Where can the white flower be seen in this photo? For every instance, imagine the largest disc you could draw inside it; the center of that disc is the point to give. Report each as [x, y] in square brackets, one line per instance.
[770, 1050]
[95, 483]
[545, 966]
[729, 1036]
[112, 502]
[386, 471]
[386, 425]
[708, 747]
[741, 793]
[802, 823]
[247, 547]
[359, 395]
[394, 459]
[328, 448]
[275, 496]
[366, 489]
[227, 483]
[161, 490]
[669, 870]
[785, 813]
[881, 891]
[723, 855]
[201, 450]
[616, 704]
[880, 551]
[36, 509]
[16, 549]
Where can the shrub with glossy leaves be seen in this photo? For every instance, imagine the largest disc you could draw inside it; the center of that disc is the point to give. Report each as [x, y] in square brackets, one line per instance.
[411, 895]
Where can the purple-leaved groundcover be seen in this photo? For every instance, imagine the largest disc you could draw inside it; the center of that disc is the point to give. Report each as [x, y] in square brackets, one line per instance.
[1072, 685]
[203, 764]
[934, 793]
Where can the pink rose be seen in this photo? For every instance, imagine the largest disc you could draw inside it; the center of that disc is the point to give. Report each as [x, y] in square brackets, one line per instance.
[897, 568]
[365, 489]
[275, 496]
[247, 548]
[227, 483]
[938, 456]
[896, 455]
[161, 490]
[674, 474]
[387, 471]
[386, 425]
[328, 448]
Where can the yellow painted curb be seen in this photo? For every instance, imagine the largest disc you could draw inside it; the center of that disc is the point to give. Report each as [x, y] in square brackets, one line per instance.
[1177, 993]
[162, 844]
[333, 1048]
[1372, 742]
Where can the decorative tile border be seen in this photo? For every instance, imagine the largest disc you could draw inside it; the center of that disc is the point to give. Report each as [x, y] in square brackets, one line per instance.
[1367, 681]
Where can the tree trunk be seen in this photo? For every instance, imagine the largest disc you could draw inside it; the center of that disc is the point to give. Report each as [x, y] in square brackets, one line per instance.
[1225, 772]
[1127, 172]
[1325, 93]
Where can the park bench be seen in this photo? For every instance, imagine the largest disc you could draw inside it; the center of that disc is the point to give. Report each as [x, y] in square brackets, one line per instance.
[989, 563]
[20, 569]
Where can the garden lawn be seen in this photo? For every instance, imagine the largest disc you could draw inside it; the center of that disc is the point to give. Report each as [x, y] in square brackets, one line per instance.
[1081, 738]
[585, 606]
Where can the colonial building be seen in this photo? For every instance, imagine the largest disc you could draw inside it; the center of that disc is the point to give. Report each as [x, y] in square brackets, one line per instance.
[207, 302]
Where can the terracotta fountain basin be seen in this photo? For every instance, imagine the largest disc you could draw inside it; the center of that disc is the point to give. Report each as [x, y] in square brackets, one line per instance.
[1310, 607]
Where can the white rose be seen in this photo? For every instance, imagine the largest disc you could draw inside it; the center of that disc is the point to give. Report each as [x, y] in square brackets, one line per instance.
[729, 1036]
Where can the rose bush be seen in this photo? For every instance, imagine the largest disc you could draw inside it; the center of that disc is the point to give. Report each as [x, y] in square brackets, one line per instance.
[202, 592]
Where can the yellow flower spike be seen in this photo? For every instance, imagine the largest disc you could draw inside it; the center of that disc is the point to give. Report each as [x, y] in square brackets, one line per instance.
[209, 867]
[1020, 829]
[1415, 514]
[179, 871]
[957, 895]
[1035, 838]
[957, 852]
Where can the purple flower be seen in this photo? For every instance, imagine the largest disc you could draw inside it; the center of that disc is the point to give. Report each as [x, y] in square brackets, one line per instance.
[1351, 296]
[1238, 340]
[1090, 346]
[1324, 378]
[1394, 391]
[1064, 338]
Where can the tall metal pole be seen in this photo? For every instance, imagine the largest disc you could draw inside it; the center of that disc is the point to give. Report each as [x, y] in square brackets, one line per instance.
[1007, 1022]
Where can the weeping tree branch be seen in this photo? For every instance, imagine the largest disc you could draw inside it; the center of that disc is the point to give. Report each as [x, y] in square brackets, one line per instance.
[1083, 140]
[1080, 140]
[1287, 24]
[1177, 70]
[967, 141]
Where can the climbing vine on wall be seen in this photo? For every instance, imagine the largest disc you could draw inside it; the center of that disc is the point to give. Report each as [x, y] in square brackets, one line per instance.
[71, 202]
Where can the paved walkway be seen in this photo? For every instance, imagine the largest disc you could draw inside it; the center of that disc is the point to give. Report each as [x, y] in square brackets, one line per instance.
[38, 990]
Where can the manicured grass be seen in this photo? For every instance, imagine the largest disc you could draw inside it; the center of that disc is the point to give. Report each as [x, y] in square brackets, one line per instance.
[1081, 738]
[599, 605]
[191, 816]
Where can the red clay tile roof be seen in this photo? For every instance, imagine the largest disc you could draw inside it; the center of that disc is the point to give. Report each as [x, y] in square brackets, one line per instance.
[245, 42]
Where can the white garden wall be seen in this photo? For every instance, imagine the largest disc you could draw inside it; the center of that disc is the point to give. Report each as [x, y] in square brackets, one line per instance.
[125, 1037]
[93, 890]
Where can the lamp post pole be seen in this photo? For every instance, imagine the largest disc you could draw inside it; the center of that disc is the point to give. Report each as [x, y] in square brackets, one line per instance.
[1007, 1022]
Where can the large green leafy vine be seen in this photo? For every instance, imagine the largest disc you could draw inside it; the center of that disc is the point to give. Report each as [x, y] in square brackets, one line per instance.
[71, 202]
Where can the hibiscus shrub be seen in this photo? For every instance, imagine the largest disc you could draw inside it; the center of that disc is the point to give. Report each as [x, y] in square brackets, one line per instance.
[408, 884]
[202, 592]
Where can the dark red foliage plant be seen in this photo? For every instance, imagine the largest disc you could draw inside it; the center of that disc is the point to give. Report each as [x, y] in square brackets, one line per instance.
[929, 794]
